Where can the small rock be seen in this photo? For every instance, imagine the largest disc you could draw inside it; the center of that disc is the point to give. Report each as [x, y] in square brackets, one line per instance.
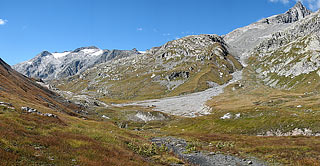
[8, 105]
[29, 110]
[50, 115]
[250, 162]
[212, 153]
[178, 145]
[226, 116]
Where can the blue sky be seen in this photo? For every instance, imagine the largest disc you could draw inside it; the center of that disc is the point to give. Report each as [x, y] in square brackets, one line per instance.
[28, 27]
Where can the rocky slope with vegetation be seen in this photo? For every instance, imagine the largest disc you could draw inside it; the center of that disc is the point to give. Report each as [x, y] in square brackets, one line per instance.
[290, 58]
[186, 65]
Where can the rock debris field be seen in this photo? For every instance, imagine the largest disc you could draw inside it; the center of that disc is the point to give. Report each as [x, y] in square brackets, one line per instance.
[191, 105]
[179, 148]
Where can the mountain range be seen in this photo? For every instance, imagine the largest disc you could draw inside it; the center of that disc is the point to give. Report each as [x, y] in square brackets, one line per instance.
[245, 97]
[186, 65]
[48, 65]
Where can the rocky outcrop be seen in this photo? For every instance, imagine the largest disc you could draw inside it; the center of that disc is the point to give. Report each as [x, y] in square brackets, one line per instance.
[195, 45]
[7, 105]
[294, 132]
[34, 111]
[181, 74]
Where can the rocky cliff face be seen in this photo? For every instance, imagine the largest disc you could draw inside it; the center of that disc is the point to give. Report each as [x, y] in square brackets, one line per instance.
[50, 66]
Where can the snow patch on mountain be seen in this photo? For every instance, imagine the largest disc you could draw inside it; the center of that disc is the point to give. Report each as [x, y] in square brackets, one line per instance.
[58, 55]
[90, 51]
[97, 53]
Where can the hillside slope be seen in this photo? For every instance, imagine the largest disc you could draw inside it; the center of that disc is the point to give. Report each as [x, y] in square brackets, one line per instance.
[22, 91]
[289, 59]
[36, 129]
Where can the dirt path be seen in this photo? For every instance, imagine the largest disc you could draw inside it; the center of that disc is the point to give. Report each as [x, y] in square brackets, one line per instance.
[191, 105]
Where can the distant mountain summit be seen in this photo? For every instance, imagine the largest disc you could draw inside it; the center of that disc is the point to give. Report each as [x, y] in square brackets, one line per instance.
[56, 65]
[296, 13]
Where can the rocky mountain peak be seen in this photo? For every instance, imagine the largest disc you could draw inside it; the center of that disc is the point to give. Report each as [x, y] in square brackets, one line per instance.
[297, 12]
[299, 5]
[135, 50]
[44, 53]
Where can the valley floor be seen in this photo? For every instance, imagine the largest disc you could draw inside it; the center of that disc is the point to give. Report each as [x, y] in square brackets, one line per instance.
[255, 117]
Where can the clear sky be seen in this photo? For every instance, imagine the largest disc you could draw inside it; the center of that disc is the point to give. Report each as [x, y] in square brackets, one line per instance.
[28, 27]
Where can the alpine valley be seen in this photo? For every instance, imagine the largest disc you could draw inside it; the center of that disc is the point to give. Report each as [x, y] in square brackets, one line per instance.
[250, 97]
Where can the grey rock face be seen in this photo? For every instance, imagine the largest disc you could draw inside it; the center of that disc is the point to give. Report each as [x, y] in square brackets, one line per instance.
[296, 13]
[195, 45]
[174, 75]
[289, 53]
[50, 66]
[307, 26]
[244, 40]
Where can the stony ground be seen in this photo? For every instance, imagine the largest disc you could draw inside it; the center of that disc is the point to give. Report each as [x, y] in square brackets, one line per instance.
[191, 105]
[181, 148]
